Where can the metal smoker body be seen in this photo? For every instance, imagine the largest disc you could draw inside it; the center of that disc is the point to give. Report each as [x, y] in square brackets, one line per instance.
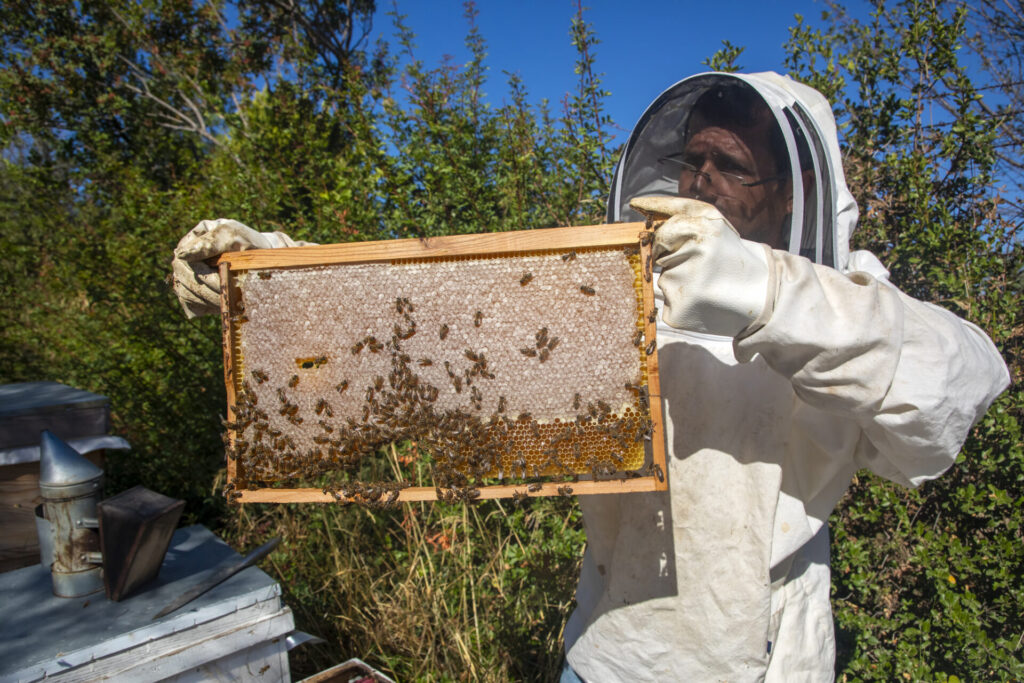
[71, 487]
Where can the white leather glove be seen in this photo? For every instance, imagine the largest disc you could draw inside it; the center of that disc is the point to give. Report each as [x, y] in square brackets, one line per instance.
[196, 284]
[713, 280]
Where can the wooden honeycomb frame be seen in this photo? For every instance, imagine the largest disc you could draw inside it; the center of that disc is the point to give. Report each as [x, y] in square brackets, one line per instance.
[626, 236]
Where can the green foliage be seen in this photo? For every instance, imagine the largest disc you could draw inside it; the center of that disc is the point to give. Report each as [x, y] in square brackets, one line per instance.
[725, 58]
[427, 592]
[928, 583]
[124, 124]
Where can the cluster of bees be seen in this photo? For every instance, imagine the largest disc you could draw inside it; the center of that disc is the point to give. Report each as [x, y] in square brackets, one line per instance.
[465, 445]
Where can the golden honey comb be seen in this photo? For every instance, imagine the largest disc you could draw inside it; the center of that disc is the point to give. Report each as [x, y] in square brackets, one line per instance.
[501, 366]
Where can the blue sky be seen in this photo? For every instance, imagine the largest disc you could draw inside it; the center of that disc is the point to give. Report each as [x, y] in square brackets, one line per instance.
[644, 48]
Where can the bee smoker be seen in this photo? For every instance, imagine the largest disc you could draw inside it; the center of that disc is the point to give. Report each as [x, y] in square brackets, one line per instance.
[71, 487]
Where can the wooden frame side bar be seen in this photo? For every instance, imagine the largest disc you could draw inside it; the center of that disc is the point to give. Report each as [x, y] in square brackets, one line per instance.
[228, 302]
[653, 377]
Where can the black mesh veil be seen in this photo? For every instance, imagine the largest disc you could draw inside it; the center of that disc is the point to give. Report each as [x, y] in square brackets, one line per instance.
[661, 132]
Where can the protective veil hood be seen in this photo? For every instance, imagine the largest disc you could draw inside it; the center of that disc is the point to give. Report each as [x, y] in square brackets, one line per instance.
[824, 212]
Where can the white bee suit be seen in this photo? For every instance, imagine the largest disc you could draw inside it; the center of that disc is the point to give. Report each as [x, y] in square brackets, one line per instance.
[725, 575]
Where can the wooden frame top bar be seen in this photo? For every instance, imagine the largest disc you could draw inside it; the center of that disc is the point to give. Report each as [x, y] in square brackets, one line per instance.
[580, 237]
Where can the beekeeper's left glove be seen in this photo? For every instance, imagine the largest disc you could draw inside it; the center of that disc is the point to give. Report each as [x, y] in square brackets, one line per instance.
[196, 284]
[713, 280]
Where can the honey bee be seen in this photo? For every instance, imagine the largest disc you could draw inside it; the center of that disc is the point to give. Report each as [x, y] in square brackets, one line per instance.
[408, 331]
[264, 275]
[357, 347]
[576, 402]
[478, 318]
[518, 496]
[425, 362]
[470, 355]
[444, 332]
[528, 352]
[651, 347]
[638, 337]
[565, 490]
[340, 388]
[259, 375]
[587, 290]
[457, 383]
[541, 337]
[523, 417]
[652, 317]
[646, 237]
[320, 405]
[525, 279]
[533, 488]
[569, 257]
[293, 382]
[553, 343]
[520, 464]
[543, 356]
[502, 404]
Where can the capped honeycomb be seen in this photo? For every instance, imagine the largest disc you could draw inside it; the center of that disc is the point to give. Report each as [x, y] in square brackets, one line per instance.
[500, 367]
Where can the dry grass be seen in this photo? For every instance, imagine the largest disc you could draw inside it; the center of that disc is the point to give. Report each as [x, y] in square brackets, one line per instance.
[425, 591]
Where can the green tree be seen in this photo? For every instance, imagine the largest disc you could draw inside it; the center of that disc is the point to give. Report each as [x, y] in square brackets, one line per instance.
[124, 124]
[927, 583]
[120, 123]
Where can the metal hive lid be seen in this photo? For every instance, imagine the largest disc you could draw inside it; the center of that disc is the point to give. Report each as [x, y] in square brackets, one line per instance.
[26, 398]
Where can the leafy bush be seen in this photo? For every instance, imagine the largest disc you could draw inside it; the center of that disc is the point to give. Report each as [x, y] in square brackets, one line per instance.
[124, 125]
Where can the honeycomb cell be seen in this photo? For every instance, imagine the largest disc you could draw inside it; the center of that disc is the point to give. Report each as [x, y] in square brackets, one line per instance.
[353, 357]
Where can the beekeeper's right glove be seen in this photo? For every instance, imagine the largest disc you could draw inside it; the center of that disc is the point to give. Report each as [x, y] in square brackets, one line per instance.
[196, 284]
[713, 280]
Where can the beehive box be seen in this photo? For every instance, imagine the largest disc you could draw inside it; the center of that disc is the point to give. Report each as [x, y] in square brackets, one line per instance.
[517, 364]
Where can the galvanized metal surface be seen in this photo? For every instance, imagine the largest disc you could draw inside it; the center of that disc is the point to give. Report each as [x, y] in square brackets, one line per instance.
[82, 444]
[63, 472]
[42, 635]
[71, 488]
[27, 408]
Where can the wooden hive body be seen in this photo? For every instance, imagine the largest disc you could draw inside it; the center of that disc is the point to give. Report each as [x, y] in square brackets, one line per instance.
[517, 361]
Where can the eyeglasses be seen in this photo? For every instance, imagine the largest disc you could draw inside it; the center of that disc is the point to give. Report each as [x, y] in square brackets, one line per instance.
[729, 177]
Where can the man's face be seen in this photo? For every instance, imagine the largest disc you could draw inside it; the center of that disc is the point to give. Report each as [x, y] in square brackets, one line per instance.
[724, 155]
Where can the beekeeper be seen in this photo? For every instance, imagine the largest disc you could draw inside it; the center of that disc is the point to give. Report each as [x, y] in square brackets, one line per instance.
[787, 363]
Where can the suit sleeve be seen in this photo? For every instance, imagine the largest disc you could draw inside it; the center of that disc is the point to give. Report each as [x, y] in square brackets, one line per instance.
[913, 376]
